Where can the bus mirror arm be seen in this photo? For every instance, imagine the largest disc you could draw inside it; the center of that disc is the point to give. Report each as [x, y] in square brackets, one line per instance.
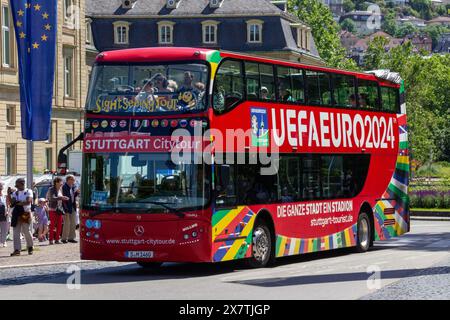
[62, 157]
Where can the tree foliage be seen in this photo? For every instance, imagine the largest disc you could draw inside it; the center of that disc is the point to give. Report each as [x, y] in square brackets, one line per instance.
[348, 24]
[325, 32]
[427, 84]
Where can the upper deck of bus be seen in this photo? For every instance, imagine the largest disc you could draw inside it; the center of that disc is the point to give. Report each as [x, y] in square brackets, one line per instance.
[165, 54]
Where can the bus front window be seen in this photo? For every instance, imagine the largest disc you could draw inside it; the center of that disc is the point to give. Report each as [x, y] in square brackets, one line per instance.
[148, 88]
[141, 181]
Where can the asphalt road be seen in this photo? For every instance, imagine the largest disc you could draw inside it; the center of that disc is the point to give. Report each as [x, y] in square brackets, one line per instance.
[415, 266]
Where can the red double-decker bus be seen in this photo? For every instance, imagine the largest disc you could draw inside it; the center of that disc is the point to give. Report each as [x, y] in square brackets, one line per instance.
[196, 155]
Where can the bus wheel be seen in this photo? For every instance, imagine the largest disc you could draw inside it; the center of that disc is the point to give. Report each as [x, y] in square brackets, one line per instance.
[150, 265]
[364, 232]
[262, 248]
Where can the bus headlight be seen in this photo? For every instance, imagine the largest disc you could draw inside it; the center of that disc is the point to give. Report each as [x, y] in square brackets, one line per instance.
[97, 224]
[89, 223]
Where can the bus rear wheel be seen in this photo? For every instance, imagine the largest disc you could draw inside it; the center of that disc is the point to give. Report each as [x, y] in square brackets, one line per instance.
[150, 265]
[364, 233]
[262, 246]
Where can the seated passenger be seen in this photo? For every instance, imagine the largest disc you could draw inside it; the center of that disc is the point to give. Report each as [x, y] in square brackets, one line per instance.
[285, 94]
[161, 83]
[352, 101]
[173, 86]
[264, 93]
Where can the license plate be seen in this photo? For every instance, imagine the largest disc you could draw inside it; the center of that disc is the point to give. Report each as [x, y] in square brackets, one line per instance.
[139, 254]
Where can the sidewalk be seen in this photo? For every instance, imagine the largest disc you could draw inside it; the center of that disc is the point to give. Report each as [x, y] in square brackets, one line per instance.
[43, 254]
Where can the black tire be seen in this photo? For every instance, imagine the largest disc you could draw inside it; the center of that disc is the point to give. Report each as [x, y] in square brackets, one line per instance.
[263, 251]
[364, 232]
[150, 265]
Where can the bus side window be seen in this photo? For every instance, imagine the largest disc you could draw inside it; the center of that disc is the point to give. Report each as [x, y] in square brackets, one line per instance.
[225, 185]
[284, 84]
[318, 88]
[344, 91]
[267, 82]
[298, 85]
[252, 77]
[229, 88]
[368, 94]
[389, 97]
[311, 177]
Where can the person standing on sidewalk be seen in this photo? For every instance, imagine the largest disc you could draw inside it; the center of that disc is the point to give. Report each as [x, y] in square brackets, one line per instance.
[21, 217]
[70, 208]
[4, 223]
[55, 199]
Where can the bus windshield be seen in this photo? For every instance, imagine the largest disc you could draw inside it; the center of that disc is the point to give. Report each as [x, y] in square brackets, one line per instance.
[148, 88]
[143, 181]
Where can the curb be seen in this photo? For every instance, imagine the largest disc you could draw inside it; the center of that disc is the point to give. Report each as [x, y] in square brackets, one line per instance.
[436, 213]
[429, 218]
[43, 264]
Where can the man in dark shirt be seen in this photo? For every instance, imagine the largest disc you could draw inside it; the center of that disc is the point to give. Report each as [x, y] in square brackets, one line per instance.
[70, 209]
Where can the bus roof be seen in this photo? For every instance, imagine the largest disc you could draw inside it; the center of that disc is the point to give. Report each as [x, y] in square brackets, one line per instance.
[161, 54]
[158, 54]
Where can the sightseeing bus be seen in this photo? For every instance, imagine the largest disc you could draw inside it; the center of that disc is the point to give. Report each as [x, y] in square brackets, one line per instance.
[198, 155]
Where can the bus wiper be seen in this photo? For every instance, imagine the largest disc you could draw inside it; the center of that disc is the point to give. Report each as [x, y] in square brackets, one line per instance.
[176, 211]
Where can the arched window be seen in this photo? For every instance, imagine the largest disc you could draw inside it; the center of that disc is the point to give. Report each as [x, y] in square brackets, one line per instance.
[121, 32]
[254, 31]
[210, 31]
[165, 32]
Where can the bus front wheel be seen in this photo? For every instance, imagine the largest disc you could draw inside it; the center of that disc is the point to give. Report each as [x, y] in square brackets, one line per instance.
[364, 233]
[262, 246]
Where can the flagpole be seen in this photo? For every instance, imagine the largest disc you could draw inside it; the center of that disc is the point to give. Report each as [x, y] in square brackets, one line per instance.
[30, 164]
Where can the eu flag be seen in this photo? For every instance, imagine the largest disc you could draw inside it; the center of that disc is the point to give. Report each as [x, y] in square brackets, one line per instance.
[35, 25]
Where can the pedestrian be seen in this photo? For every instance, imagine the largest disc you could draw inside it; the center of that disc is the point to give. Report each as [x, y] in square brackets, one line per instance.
[70, 208]
[21, 201]
[55, 199]
[4, 224]
[41, 213]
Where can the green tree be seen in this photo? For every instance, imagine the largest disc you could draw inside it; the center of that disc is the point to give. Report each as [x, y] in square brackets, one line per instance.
[405, 29]
[389, 25]
[348, 24]
[423, 7]
[324, 30]
[348, 5]
[435, 32]
[376, 53]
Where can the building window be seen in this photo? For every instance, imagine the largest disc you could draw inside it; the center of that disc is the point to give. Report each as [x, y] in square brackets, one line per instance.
[254, 31]
[10, 159]
[10, 115]
[49, 158]
[69, 138]
[165, 32]
[68, 73]
[88, 31]
[6, 38]
[68, 11]
[121, 32]
[307, 37]
[210, 32]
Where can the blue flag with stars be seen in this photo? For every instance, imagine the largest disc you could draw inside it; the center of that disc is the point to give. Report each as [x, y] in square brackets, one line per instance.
[35, 25]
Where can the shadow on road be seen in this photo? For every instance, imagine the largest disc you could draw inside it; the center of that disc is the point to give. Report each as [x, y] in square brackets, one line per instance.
[341, 277]
[133, 273]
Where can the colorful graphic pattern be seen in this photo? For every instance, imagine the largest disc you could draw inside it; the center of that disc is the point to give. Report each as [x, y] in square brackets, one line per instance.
[394, 205]
[214, 58]
[291, 246]
[232, 233]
